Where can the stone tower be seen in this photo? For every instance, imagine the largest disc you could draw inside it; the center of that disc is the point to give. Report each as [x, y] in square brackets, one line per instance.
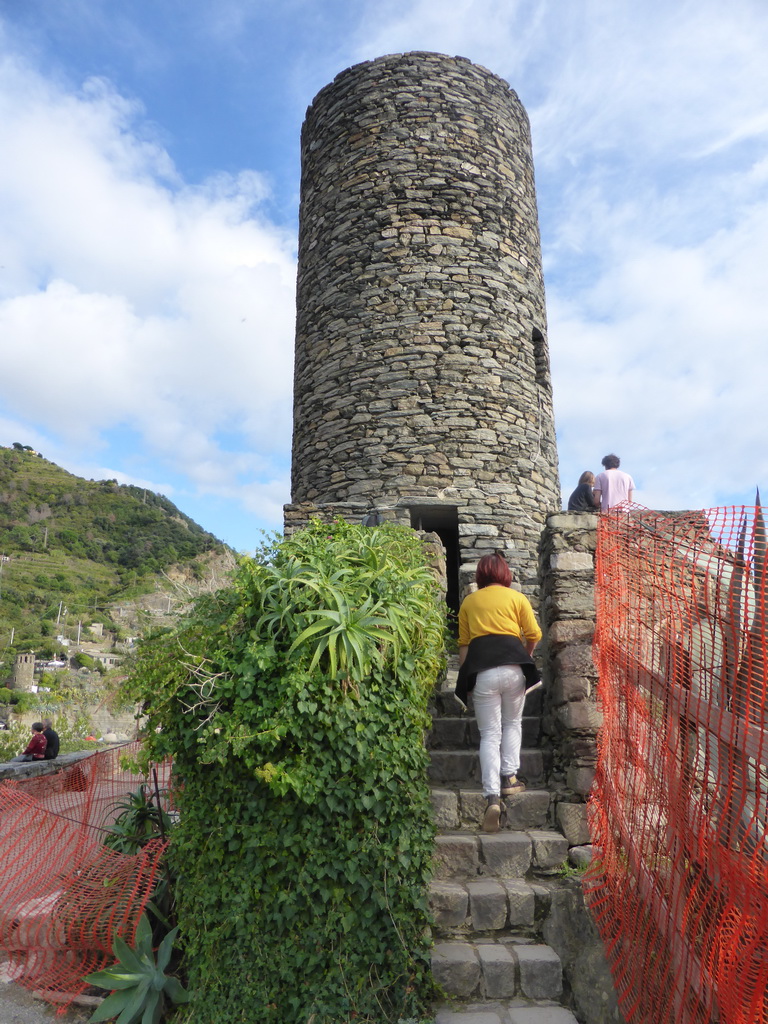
[422, 383]
[23, 677]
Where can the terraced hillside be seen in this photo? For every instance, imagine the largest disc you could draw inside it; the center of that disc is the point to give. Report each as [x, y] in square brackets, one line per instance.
[71, 548]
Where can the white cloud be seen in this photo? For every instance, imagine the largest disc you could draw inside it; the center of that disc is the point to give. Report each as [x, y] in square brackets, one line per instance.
[649, 132]
[128, 297]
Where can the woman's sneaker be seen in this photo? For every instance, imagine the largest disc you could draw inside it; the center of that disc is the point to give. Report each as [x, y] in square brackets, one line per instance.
[492, 816]
[511, 784]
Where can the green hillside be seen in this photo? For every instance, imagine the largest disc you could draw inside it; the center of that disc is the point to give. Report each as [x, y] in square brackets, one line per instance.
[71, 547]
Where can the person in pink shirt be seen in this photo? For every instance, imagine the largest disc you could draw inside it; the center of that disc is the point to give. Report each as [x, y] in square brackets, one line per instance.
[612, 486]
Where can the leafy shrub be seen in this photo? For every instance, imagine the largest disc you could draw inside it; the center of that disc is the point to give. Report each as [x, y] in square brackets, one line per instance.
[294, 705]
[13, 740]
[26, 701]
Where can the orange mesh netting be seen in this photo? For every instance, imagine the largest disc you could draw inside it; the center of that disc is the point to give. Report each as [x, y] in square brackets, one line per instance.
[679, 886]
[63, 894]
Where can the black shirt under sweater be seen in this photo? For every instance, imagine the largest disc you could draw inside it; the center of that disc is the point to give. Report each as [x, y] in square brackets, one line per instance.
[581, 500]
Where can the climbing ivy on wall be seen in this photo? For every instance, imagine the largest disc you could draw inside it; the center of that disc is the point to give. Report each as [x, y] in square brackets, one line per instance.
[294, 706]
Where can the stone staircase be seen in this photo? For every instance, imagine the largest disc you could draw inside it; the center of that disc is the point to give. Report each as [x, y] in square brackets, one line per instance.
[491, 894]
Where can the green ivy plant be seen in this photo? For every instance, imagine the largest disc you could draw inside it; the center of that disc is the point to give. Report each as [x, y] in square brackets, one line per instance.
[141, 990]
[294, 706]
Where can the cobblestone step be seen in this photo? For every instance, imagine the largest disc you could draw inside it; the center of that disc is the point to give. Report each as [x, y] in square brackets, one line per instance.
[454, 733]
[464, 766]
[514, 1012]
[485, 905]
[463, 807]
[462, 856]
[497, 970]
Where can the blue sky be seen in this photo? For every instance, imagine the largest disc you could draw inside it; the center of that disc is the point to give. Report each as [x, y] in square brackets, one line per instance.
[149, 197]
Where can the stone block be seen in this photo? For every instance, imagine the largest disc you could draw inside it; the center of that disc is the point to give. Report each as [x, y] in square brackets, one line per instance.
[575, 602]
[467, 1017]
[531, 729]
[527, 810]
[572, 561]
[521, 900]
[474, 734]
[580, 856]
[499, 970]
[580, 780]
[572, 822]
[579, 748]
[456, 856]
[471, 807]
[456, 968]
[572, 524]
[541, 972]
[580, 715]
[534, 702]
[549, 850]
[570, 687]
[543, 897]
[452, 765]
[449, 903]
[506, 854]
[487, 905]
[448, 733]
[532, 766]
[445, 808]
[568, 631]
[576, 658]
[541, 1014]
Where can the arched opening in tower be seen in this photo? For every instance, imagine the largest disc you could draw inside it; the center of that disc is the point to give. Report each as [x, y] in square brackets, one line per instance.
[444, 521]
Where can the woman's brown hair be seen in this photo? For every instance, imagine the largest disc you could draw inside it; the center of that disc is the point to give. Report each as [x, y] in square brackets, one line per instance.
[493, 569]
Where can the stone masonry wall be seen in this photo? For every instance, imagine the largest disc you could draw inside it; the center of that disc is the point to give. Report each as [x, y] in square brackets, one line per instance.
[422, 370]
[571, 718]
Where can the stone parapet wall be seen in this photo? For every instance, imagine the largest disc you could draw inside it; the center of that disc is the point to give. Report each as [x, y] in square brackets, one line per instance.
[298, 516]
[482, 528]
[571, 717]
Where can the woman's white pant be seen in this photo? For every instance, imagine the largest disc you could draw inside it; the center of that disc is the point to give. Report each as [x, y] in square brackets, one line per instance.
[499, 696]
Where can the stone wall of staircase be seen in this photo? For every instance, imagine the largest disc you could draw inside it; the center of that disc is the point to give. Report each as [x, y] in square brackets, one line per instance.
[570, 717]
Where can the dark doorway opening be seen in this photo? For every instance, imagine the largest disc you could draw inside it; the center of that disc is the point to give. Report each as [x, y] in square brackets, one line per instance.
[444, 521]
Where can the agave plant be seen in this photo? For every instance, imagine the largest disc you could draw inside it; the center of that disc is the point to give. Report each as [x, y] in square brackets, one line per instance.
[140, 987]
[139, 820]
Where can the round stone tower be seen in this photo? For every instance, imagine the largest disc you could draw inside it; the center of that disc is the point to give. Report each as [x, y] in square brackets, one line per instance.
[422, 383]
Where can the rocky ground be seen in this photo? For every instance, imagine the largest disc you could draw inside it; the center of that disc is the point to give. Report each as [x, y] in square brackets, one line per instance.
[18, 1006]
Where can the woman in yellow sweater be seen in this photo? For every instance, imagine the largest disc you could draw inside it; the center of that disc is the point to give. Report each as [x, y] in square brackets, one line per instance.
[497, 635]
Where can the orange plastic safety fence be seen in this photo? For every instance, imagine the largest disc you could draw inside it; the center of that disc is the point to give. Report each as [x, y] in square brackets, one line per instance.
[64, 895]
[679, 886]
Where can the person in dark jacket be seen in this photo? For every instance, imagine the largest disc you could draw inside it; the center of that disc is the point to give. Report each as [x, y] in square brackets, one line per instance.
[582, 499]
[497, 634]
[52, 740]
